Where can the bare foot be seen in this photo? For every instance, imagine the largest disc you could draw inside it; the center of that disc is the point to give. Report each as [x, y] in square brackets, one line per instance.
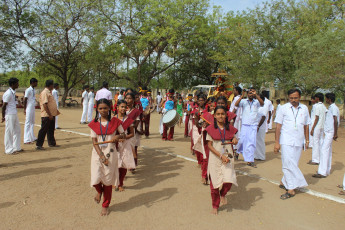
[104, 212]
[98, 198]
[203, 180]
[121, 189]
[223, 201]
[215, 211]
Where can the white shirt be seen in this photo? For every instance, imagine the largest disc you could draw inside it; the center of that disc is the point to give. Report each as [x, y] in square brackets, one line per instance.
[269, 107]
[293, 121]
[262, 112]
[332, 111]
[104, 93]
[278, 108]
[56, 96]
[120, 97]
[320, 110]
[159, 99]
[233, 107]
[85, 97]
[10, 98]
[30, 95]
[249, 111]
[91, 97]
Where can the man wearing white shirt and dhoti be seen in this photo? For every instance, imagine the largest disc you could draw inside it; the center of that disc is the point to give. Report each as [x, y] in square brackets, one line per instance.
[238, 112]
[55, 94]
[85, 103]
[269, 108]
[247, 142]
[10, 116]
[332, 121]
[292, 129]
[90, 108]
[316, 132]
[29, 111]
[260, 152]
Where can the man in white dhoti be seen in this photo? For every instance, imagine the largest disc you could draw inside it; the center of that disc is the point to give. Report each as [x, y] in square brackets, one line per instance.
[312, 119]
[158, 101]
[292, 128]
[55, 94]
[10, 117]
[332, 121]
[247, 142]
[238, 112]
[316, 133]
[260, 152]
[85, 103]
[269, 108]
[29, 111]
[91, 97]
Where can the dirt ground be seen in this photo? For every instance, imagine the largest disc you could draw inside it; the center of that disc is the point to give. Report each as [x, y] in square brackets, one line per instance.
[51, 189]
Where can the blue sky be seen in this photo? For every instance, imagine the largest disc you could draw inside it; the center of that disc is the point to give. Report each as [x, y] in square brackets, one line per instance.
[236, 5]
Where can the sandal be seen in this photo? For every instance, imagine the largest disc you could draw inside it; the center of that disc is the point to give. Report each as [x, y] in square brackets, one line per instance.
[236, 156]
[251, 164]
[318, 176]
[286, 196]
[282, 187]
[342, 193]
[339, 186]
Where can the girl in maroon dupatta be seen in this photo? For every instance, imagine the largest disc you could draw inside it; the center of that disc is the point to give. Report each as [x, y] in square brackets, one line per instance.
[104, 159]
[207, 119]
[221, 171]
[222, 101]
[134, 114]
[126, 145]
[197, 128]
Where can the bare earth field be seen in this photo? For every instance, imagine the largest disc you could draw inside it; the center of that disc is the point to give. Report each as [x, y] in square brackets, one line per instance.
[51, 189]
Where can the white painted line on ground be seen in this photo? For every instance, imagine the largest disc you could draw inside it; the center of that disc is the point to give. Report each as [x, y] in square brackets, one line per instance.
[304, 190]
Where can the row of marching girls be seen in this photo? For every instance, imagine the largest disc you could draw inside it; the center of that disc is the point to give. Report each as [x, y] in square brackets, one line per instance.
[213, 136]
[115, 140]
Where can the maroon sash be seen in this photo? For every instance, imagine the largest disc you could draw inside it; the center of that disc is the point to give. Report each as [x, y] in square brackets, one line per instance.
[113, 125]
[134, 114]
[127, 123]
[215, 134]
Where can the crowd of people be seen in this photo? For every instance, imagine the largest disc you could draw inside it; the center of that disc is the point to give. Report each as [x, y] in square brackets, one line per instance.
[218, 133]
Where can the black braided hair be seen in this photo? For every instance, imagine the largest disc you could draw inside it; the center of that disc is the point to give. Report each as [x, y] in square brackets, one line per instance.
[227, 123]
[103, 101]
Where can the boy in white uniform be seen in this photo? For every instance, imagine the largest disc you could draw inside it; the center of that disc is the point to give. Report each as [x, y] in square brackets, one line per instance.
[91, 97]
[85, 103]
[29, 112]
[247, 142]
[292, 128]
[238, 112]
[10, 116]
[316, 132]
[260, 151]
[55, 94]
[331, 133]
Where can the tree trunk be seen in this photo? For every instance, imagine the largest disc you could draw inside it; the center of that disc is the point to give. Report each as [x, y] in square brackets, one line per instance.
[65, 94]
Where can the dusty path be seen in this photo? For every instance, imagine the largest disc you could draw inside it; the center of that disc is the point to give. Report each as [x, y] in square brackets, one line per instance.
[50, 189]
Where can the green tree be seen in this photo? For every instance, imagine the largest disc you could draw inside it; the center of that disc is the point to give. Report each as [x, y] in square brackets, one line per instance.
[55, 32]
[150, 33]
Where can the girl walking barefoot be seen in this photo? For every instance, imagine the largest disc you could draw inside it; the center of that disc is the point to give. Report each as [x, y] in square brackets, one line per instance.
[221, 171]
[104, 159]
[126, 145]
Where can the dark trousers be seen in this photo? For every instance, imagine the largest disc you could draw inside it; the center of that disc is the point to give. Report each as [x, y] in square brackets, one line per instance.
[47, 127]
[147, 124]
